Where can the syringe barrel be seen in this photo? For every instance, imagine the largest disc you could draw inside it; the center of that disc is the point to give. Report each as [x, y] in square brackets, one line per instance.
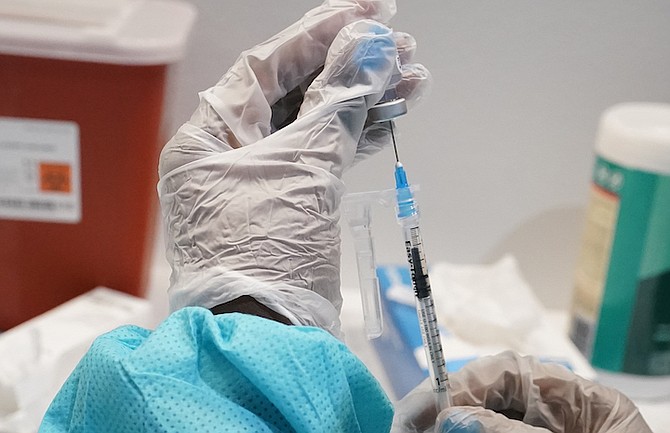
[425, 309]
[415, 255]
[433, 346]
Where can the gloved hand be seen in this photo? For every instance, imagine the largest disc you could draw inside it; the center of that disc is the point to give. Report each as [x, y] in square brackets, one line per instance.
[510, 393]
[252, 210]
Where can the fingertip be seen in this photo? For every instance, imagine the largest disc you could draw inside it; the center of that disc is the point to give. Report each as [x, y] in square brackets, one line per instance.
[378, 10]
[457, 420]
[363, 35]
[359, 64]
[415, 84]
[406, 46]
[375, 50]
[416, 71]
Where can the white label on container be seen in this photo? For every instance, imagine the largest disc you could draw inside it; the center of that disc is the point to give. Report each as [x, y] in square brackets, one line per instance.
[40, 178]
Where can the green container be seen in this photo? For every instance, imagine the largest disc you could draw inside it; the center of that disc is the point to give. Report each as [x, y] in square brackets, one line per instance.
[620, 316]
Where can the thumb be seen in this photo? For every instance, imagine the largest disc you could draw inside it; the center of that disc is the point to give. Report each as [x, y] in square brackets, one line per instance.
[466, 419]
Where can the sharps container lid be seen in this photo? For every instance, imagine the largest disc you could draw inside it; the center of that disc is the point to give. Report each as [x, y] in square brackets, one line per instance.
[128, 32]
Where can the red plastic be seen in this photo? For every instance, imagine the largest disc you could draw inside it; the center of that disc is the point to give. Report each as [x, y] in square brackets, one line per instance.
[118, 109]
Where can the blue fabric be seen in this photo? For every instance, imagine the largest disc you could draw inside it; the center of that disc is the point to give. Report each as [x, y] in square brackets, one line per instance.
[229, 373]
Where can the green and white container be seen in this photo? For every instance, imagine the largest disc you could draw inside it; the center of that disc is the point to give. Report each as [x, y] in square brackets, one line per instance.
[621, 304]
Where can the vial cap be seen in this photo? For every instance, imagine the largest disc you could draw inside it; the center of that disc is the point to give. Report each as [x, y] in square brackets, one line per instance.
[387, 110]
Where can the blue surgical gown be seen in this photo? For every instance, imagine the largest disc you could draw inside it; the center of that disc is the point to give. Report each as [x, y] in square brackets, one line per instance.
[198, 372]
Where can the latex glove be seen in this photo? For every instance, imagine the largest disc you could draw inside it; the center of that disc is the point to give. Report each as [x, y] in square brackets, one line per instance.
[510, 393]
[252, 211]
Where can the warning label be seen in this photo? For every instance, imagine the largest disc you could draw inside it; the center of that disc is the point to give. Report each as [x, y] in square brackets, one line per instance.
[39, 170]
[55, 177]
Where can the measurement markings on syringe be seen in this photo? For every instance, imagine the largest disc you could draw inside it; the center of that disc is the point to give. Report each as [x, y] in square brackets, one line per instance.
[417, 264]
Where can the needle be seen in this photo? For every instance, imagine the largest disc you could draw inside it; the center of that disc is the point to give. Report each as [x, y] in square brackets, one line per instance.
[395, 147]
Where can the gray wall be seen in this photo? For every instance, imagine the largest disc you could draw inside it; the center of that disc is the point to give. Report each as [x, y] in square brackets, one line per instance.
[502, 146]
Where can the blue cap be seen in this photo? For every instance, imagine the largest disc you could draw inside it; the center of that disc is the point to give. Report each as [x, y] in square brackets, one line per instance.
[406, 206]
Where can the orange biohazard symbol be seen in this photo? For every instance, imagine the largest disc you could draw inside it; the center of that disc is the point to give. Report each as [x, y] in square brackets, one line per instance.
[55, 177]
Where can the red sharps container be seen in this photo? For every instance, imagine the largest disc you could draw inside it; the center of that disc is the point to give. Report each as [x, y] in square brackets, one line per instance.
[82, 87]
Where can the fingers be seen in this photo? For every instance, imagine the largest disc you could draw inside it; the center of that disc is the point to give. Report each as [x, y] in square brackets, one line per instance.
[510, 393]
[416, 412]
[508, 382]
[406, 46]
[415, 83]
[359, 64]
[285, 60]
[479, 420]
[265, 73]
[357, 70]
[416, 79]
[543, 394]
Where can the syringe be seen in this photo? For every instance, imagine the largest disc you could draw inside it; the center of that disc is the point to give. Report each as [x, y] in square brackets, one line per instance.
[408, 218]
[390, 107]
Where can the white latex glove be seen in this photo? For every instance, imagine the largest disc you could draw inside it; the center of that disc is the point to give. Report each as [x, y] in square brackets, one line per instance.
[253, 211]
[490, 391]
